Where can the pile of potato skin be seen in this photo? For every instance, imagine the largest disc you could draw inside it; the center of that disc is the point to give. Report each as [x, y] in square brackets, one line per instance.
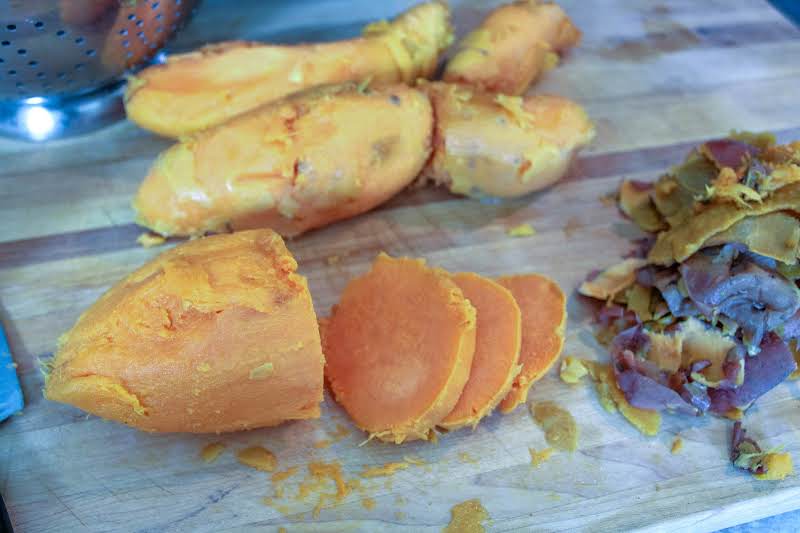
[219, 333]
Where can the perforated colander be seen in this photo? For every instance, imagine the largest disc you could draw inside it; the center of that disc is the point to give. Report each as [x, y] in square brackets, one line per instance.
[67, 55]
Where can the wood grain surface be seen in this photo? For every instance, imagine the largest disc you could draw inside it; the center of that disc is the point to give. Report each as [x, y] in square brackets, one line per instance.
[656, 76]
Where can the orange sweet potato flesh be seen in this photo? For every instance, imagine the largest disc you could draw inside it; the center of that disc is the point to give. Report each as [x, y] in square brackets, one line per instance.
[398, 348]
[300, 163]
[544, 317]
[217, 334]
[488, 144]
[201, 89]
[512, 47]
[497, 348]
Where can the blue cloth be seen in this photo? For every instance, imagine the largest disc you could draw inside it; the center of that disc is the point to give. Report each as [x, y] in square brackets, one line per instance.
[790, 8]
[783, 522]
[10, 393]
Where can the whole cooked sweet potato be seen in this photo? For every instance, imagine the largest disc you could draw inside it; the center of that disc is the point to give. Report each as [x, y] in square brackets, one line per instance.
[300, 163]
[488, 144]
[512, 46]
[197, 90]
[217, 334]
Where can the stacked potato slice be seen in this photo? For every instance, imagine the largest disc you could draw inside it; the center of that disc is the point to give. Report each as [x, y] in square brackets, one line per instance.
[438, 349]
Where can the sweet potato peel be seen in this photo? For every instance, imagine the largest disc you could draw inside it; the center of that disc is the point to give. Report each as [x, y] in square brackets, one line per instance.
[497, 347]
[678, 243]
[544, 318]
[399, 346]
[174, 346]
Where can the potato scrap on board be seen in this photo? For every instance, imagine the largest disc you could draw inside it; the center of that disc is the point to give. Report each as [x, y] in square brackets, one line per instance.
[560, 429]
[467, 517]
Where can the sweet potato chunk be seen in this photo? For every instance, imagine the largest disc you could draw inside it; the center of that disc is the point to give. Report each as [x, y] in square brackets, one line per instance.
[488, 144]
[398, 348]
[497, 344]
[217, 334]
[544, 317]
[512, 46]
[300, 163]
[197, 90]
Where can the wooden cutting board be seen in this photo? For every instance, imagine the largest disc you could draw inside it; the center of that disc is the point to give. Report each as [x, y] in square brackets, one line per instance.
[656, 76]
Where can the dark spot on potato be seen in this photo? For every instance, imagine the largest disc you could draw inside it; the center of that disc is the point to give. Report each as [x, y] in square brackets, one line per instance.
[393, 98]
[382, 149]
[523, 168]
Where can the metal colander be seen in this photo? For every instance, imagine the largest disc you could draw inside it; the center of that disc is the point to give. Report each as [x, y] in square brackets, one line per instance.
[69, 56]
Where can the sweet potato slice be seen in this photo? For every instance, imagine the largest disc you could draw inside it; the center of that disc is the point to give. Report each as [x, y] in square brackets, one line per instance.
[497, 344]
[217, 334]
[398, 348]
[544, 317]
[512, 47]
[488, 144]
[201, 89]
[300, 163]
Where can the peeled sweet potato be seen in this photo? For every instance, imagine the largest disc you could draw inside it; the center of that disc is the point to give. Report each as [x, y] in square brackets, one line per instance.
[497, 346]
[512, 47]
[544, 317]
[198, 90]
[398, 348]
[217, 334]
[300, 163]
[488, 144]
